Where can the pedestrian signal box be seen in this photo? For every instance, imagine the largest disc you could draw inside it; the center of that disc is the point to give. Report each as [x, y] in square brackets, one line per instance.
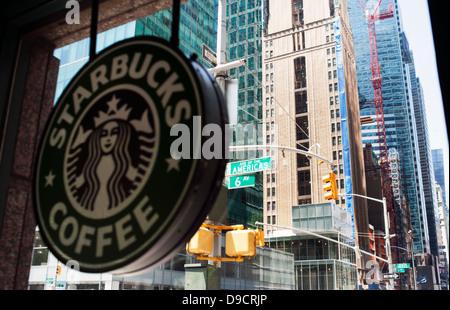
[201, 243]
[243, 243]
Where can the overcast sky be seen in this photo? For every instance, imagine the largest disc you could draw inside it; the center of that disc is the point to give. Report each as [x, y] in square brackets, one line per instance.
[417, 26]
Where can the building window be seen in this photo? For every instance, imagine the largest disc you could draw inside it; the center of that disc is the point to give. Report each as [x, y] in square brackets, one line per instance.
[40, 251]
[302, 130]
[300, 72]
[301, 102]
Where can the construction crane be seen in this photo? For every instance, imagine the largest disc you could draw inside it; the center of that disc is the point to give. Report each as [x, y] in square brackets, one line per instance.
[372, 16]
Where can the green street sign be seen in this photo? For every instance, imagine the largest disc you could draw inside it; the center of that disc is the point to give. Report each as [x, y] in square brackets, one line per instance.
[399, 270]
[248, 166]
[241, 181]
[404, 265]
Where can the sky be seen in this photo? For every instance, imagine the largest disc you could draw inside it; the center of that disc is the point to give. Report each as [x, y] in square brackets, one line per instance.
[417, 26]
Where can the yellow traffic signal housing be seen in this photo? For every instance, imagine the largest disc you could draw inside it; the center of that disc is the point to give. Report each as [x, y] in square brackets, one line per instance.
[201, 243]
[330, 187]
[241, 243]
[58, 270]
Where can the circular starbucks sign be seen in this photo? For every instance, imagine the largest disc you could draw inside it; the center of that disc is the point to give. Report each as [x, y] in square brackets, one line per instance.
[120, 183]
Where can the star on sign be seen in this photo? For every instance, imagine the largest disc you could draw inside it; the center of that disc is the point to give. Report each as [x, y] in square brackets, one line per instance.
[49, 179]
[172, 164]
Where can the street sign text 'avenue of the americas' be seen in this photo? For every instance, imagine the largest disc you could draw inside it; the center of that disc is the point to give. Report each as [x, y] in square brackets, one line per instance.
[248, 166]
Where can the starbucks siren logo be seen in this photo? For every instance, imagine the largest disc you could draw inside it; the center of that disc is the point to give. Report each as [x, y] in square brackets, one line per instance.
[101, 171]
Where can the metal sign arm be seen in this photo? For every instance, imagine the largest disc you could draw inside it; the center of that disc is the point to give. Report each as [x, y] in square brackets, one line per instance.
[284, 148]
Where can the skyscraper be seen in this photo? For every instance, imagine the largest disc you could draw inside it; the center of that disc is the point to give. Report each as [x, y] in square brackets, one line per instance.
[244, 39]
[439, 170]
[426, 163]
[400, 122]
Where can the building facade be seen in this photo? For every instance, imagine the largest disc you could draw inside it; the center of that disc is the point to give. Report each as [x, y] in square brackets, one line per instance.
[320, 263]
[311, 103]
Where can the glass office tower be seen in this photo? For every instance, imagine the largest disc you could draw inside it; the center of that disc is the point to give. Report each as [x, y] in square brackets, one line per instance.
[243, 25]
[198, 26]
[439, 170]
[401, 132]
[74, 56]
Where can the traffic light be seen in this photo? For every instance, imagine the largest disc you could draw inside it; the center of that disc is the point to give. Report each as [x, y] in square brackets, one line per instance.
[201, 243]
[58, 269]
[330, 186]
[243, 243]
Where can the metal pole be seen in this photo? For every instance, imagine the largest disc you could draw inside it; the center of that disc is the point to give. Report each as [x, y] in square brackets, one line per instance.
[280, 147]
[221, 43]
[175, 38]
[413, 260]
[413, 263]
[388, 242]
[386, 232]
[94, 22]
[323, 237]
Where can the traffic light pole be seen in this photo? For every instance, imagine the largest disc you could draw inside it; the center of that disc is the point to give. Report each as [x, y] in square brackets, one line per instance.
[323, 237]
[413, 263]
[386, 232]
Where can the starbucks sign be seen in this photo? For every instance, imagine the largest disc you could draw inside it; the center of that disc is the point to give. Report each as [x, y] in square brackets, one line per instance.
[110, 193]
